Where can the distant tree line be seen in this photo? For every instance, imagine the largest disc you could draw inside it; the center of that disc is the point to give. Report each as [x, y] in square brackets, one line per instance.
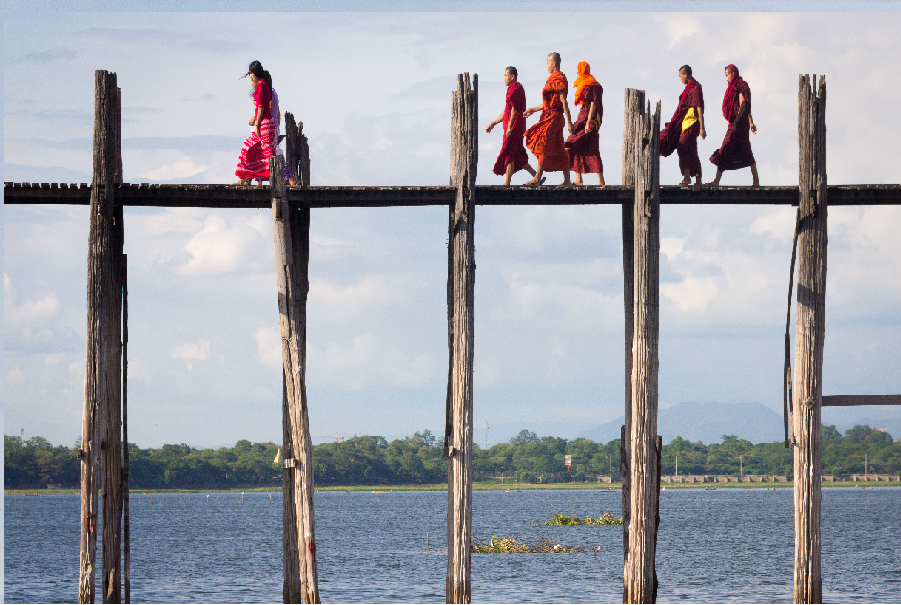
[366, 460]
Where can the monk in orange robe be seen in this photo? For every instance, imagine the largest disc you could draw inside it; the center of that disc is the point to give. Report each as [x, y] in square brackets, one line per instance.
[545, 139]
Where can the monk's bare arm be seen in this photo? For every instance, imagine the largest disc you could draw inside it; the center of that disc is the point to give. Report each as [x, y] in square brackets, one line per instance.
[499, 119]
[591, 111]
[700, 113]
[532, 110]
[569, 122]
[513, 116]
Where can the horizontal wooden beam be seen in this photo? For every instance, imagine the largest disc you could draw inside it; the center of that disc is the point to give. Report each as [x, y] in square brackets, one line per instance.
[238, 196]
[849, 400]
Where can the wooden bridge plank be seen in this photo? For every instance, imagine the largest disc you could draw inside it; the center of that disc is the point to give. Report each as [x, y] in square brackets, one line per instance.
[236, 196]
[852, 400]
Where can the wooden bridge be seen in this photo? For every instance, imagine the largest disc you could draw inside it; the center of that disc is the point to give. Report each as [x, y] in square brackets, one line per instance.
[105, 424]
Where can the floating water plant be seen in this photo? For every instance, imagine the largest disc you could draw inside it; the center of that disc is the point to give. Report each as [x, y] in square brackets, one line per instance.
[605, 519]
[542, 545]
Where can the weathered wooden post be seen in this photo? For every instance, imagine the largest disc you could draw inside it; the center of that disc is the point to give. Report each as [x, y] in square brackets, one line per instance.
[101, 447]
[291, 229]
[126, 525]
[639, 575]
[460, 291]
[633, 103]
[810, 332]
[292, 587]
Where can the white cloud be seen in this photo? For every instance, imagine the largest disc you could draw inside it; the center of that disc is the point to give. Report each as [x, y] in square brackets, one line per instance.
[29, 321]
[269, 346]
[692, 293]
[368, 362]
[225, 246]
[181, 169]
[190, 352]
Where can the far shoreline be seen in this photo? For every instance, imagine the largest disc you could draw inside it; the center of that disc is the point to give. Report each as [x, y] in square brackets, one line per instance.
[441, 487]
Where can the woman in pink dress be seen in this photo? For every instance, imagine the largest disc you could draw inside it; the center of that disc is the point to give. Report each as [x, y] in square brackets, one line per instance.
[253, 163]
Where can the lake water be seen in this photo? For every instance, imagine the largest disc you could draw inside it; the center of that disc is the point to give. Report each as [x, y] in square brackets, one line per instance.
[728, 545]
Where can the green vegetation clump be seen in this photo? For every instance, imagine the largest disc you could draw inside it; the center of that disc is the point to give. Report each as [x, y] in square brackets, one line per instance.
[541, 545]
[605, 519]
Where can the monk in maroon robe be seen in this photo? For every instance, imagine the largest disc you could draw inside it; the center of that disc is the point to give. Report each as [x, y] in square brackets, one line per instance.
[736, 150]
[583, 144]
[682, 131]
[545, 139]
[513, 156]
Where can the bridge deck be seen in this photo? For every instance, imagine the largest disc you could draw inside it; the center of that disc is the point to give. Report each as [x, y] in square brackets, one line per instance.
[236, 196]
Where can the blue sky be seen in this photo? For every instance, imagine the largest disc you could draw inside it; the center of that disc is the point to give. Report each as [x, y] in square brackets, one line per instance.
[373, 91]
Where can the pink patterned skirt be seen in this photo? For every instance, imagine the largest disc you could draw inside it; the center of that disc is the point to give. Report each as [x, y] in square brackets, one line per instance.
[253, 163]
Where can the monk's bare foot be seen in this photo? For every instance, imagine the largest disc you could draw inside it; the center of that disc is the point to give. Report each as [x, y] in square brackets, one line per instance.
[697, 185]
[685, 182]
[756, 184]
[578, 182]
[712, 184]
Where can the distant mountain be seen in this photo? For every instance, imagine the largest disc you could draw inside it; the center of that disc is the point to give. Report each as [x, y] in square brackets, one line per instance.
[706, 422]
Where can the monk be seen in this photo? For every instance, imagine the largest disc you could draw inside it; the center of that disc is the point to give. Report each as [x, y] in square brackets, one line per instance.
[682, 131]
[736, 150]
[513, 156]
[582, 144]
[545, 139]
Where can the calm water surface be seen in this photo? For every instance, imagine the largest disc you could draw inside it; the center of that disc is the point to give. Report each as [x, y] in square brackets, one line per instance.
[729, 545]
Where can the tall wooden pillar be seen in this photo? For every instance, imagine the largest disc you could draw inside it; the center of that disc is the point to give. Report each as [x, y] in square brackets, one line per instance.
[461, 283]
[633, 103]
[292, 591]
[101, 446]
[810, 334]
[639, 575]
[291, 229]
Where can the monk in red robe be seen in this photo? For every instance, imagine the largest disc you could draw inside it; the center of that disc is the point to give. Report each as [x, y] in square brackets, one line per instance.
[582, 144]
[682, 131]
[736, 150]
[545, 139]
[513, 156]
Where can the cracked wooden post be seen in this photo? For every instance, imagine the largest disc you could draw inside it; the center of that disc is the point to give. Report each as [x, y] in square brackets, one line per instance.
[639, 576]
[810, 332]
[291, 229]
[633, 103]
[101, 447]
[292, 591]
[126, 492]
[461, 282]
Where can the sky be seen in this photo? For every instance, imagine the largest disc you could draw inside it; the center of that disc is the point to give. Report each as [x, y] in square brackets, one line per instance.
[373, 91]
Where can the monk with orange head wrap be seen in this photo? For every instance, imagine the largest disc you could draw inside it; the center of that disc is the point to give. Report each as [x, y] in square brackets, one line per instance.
[582, 144]
[545, 139]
